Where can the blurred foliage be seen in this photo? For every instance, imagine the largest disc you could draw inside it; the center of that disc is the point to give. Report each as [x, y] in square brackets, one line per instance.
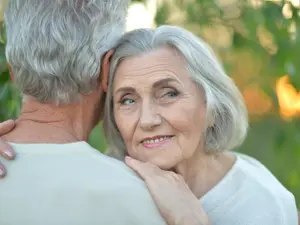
[9, 95]
[258, 42]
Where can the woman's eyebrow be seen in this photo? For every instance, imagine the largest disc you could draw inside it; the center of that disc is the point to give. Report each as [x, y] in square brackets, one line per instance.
[156, 84]
[163, 82]
[124, 89]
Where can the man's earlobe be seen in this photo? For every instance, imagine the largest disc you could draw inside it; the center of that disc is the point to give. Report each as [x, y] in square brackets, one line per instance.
[105, 69]
[12, 77]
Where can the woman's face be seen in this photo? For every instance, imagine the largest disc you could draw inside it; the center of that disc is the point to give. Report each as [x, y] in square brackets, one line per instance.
[158, 110]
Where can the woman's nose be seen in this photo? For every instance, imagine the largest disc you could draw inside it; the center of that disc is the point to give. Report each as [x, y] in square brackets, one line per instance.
[149, 117]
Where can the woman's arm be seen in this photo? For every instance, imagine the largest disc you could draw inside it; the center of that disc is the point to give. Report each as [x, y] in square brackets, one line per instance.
[5, 150]
[175, 201]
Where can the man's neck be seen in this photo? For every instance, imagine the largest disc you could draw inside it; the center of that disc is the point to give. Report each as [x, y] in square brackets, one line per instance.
[47, 123]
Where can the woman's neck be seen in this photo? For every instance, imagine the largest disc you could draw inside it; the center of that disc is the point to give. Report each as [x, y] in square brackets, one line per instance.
[204, 171]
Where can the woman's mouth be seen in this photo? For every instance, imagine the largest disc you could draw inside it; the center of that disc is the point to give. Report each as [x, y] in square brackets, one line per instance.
[157, 141]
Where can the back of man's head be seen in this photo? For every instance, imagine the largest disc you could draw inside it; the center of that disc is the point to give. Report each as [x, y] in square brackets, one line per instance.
[54, 47]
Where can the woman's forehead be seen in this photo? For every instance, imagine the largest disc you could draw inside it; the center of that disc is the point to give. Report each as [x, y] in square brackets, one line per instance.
[157, 64]
[162, 57]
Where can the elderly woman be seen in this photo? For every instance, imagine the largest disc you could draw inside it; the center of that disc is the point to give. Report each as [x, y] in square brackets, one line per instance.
[170, 104]
[174, 114]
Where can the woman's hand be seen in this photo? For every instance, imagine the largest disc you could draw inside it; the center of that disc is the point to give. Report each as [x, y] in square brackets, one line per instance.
[176, 202]
[5, 150]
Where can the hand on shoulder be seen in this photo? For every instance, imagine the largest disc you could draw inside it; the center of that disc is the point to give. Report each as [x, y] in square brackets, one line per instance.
[5, 150]
[175, 201]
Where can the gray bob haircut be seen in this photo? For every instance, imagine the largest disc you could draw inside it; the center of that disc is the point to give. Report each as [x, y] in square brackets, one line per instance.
[54, 47]
[227, 117]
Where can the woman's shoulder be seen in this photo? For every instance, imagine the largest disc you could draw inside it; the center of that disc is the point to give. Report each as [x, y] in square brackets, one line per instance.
[251, 191]
[255, 175]
[250, 176]
[259, 183]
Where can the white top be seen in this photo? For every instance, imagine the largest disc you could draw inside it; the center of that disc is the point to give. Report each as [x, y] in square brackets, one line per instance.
[250, 195]
[74, 184]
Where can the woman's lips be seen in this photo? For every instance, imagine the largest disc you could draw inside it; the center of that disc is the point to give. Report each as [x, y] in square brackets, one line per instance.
[157, 142]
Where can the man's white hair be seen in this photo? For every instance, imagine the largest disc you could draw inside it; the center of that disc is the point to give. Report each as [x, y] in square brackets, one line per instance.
[226, 111]
[54, 47]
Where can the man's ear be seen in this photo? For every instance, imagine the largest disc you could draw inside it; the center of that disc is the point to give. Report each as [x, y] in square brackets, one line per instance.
[12, 77]
[105, 69]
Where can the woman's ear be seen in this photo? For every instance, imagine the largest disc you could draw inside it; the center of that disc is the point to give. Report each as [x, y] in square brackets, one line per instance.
[105, 69]
[12, 77]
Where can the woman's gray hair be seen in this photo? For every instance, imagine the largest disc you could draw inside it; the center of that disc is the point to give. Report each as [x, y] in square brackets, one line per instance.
[226, 112]
[54, 47]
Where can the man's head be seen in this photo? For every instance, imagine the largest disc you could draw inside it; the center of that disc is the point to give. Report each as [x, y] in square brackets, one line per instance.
[54, 47]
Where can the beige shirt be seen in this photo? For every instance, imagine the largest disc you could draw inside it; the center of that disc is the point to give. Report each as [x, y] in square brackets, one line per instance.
[72, 184]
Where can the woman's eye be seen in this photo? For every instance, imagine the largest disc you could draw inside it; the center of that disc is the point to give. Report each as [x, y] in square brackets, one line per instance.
[127, 101]
[172, 94]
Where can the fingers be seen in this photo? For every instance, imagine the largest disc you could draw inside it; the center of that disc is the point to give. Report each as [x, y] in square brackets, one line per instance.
[6, 126]
[145, 170]
[2, 171]
[5, 150]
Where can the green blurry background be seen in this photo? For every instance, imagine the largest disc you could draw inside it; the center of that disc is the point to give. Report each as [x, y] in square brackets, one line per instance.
[259, 44]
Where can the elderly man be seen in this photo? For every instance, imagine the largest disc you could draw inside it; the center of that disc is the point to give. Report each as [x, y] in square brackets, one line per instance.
[54, 50]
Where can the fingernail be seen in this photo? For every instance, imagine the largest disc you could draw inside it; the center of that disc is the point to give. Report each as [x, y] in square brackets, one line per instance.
[2, 173]
[8, 154]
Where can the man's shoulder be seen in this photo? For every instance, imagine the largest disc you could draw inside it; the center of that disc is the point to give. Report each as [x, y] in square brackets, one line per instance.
[72, 162]
[96, 166]
[81, 182]
[102, 163]
[112, 170]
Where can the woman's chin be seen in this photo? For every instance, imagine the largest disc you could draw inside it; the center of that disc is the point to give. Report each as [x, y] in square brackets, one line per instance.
[162, 164]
